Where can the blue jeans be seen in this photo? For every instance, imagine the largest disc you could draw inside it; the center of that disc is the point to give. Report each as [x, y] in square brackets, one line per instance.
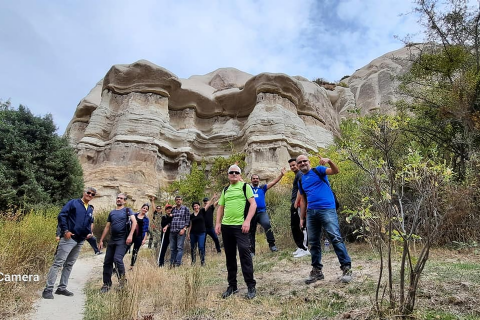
[200, 240]
[264, 220]
[328, 220]
[211, 232]
[176, 248]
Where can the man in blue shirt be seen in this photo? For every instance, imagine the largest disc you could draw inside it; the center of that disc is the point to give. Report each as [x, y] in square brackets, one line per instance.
[261, 215]
[319, 207]
[75, 222]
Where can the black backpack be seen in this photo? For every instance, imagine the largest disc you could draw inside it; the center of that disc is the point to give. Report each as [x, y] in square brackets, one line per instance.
[337, 204]
[247, 204]
[129, 222]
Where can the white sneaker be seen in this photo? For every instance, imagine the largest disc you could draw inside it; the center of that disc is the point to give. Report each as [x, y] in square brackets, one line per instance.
[302, 253]
[296, 251]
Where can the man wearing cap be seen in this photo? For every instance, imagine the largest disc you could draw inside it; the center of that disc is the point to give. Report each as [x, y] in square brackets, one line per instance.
[261, 215]
[178, 231]
[75, 224]
[233, 222]
[208, 208]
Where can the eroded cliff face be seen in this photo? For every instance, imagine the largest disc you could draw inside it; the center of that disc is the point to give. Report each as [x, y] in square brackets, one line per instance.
[142, 127]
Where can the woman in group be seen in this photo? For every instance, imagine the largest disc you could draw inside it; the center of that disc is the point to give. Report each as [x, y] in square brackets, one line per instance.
[140, 234]
[197, 233]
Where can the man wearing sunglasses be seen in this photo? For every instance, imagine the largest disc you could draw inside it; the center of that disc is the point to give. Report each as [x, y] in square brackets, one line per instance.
[233, 222]
[74, 221]
[318, 205]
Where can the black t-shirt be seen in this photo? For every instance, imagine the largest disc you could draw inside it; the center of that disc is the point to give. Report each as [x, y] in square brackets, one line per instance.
[298, 175]
[118, 225]
[208, 215]
[139, 229]
[197, 223]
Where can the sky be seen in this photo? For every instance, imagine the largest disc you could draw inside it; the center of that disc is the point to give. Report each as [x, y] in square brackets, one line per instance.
[52, 53]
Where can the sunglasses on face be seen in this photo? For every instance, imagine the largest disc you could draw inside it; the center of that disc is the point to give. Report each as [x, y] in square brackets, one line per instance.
[90, 193]
[302, 161]
[233, 172]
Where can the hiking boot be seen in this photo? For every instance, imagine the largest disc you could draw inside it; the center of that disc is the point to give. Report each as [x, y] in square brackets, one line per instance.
[347, 274]
[105, 288]
[230, 290]
[47, 294]
[315, 275]
[273, 248]
[98, 253]
[251, 293]
[64, 292]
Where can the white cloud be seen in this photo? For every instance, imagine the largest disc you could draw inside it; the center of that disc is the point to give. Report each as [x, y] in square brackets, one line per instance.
[54, 52]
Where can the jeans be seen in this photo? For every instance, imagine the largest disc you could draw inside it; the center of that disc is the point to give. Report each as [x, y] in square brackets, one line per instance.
[264, 220]
[176, 248]
[211, 232]
[65, 257]
[115, 253]
[200, 240]
[93, 243]
[233, 238]
[328, 220]
[299, 236]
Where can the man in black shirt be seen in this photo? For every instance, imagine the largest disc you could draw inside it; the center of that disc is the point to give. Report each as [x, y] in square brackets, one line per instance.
[299, 235]
[119, 239]
[207, 211]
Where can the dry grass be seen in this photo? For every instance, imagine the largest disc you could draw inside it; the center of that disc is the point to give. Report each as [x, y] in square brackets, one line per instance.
[27, 245]
[194, 292]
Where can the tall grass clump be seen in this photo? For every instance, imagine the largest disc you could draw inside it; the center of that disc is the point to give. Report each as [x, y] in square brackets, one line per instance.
[27, 245]
[278, 208]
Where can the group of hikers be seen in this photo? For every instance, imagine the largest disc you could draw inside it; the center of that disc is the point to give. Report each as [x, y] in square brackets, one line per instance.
[240, 208]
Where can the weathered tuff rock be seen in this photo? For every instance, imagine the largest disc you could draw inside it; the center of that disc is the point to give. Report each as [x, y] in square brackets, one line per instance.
[141, 126]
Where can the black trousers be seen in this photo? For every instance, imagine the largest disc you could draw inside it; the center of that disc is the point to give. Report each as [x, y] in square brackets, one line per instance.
[93, 243]
[115, 253]
[298, 236]
[233, 238]
[165, 244]
[137, 243]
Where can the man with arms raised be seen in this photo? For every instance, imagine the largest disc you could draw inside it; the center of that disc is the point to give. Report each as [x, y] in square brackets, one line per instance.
[234, 223]
[119, 240]
[318, 204]
[261, 216]
[299, 235]
[74, 221]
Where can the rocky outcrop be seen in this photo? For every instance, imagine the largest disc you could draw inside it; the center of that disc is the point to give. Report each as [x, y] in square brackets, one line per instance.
[374, 86]
[142, 127]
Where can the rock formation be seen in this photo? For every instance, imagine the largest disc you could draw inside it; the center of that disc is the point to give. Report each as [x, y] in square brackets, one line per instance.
[142, 126]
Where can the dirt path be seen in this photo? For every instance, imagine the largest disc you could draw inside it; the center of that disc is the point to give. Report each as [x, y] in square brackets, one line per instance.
[71, 308]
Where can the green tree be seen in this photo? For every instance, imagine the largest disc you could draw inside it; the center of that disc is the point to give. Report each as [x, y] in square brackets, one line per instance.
[36, 165]
[401, 203]
[443, 85]
[192, 186]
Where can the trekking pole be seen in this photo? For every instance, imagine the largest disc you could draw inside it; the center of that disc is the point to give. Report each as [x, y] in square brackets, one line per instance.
[161, 246]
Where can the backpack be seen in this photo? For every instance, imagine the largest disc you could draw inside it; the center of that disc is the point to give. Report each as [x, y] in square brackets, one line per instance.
[337, 204]
[247, 204]
[128, 224]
